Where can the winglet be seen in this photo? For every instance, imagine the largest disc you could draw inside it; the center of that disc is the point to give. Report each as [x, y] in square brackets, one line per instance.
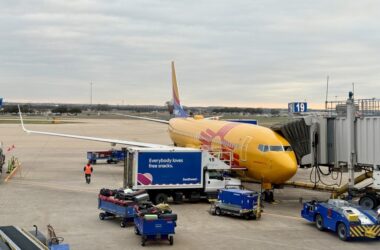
[21, 120]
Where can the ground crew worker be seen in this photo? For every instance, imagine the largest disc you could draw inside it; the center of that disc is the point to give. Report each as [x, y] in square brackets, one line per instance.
[87, 172]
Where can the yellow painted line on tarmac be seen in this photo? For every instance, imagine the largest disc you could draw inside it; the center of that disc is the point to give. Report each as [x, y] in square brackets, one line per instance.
[283, 216]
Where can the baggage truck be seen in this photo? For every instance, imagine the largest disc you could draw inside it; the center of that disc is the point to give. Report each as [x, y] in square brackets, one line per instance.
[178, 173]
[349, 221]
[110, 156]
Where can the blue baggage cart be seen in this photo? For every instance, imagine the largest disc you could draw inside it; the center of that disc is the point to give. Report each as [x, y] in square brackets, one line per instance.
[156, 229]
[110, 156]
[112, 210]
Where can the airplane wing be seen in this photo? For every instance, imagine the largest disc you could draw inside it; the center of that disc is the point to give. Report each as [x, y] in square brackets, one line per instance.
[112, 141]
[144, 118]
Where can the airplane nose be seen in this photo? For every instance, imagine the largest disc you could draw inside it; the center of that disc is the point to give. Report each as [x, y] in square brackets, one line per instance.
[285, 166]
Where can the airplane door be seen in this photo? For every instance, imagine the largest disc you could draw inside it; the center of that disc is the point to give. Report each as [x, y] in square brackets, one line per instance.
[244, 148]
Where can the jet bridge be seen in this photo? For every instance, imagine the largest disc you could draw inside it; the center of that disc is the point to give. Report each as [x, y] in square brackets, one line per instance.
[345, 137]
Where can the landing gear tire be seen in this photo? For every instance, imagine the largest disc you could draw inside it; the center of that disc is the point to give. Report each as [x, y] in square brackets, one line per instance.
[268, 196]
[368, 202]
[342, 231]
[319, 222]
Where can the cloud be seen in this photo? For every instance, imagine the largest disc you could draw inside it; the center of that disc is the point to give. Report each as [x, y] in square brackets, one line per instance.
[246, 53]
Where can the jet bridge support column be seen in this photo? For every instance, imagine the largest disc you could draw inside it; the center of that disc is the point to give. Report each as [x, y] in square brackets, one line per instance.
[128, 168]
[351, 154]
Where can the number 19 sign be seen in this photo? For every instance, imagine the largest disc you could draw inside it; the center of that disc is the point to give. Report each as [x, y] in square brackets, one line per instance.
[297, 107]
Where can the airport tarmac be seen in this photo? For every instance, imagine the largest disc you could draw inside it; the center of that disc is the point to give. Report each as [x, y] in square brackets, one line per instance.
[51, 189]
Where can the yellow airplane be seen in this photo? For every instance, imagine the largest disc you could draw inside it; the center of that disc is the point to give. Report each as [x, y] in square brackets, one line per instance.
[266, 155]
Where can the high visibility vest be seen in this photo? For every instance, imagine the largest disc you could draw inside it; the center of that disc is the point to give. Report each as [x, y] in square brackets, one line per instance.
[87, 169]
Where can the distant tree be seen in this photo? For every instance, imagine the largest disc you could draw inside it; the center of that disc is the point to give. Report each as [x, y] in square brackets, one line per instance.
[74, 110]
[102, 107]
[60, 109]
[238, 110]
[26, 108]
[274, 112]
[10, 109]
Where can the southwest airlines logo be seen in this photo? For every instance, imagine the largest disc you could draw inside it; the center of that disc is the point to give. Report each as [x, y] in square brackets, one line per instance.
[208, 137]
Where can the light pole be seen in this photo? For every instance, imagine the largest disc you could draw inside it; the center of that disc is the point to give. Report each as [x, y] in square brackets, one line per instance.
[91, 94]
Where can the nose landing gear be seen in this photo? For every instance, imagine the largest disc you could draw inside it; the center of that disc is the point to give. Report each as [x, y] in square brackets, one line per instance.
[268, 196]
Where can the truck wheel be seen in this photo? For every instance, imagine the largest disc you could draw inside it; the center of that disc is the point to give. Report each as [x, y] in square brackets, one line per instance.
[247, 216]
[319, 222]
[161, 198]
[218, 212]
[102, 216]
[171, 240]
[342, 231]
[368, 202]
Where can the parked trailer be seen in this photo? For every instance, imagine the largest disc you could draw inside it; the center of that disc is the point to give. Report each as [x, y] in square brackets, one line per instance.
[118, 203]
[113, 210]
[110, 156]
[347, 220]
[177, 173]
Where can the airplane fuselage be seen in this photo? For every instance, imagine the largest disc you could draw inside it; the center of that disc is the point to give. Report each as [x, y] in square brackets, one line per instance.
[266, 155]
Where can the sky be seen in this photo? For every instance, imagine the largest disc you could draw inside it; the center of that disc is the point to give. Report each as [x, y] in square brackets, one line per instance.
[248, 53]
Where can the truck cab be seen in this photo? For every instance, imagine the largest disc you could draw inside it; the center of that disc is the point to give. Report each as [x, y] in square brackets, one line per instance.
[216, 180]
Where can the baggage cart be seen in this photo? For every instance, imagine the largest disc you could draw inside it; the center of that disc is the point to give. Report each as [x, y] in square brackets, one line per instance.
[110, 156]
[155, 228]
[113, 210]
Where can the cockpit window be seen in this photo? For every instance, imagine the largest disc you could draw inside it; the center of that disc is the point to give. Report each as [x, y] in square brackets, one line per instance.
[276, 148]
[263, 148]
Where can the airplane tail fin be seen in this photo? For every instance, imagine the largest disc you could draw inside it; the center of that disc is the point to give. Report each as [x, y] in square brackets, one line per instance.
[177, 107]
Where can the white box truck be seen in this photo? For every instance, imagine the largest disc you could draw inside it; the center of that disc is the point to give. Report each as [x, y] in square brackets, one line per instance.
[178, 173]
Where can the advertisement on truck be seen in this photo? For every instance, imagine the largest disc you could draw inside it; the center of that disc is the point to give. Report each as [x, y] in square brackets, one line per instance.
[169, 168]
